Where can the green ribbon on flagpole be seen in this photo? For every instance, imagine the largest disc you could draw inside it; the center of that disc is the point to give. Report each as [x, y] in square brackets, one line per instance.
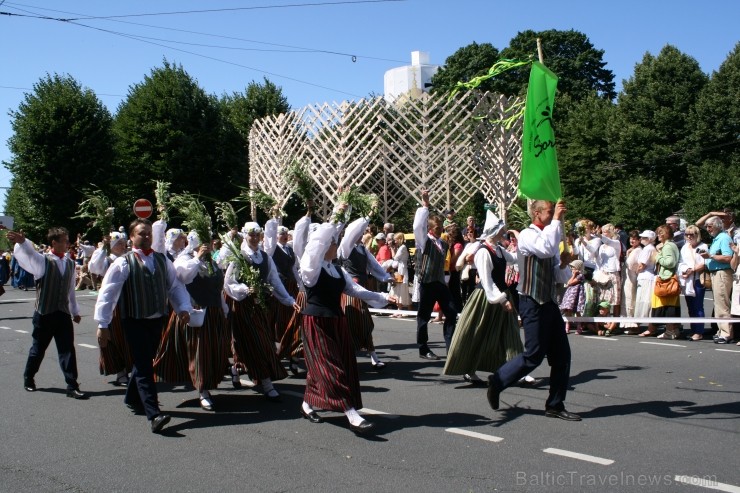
[540, 177]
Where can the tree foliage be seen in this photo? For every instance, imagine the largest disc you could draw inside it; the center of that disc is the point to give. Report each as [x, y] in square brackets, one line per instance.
[467, 62]
[62, 143]
[640, 202]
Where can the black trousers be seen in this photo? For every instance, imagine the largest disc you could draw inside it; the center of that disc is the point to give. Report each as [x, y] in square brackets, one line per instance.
[429, 293]
[57, 326]
[142, 336]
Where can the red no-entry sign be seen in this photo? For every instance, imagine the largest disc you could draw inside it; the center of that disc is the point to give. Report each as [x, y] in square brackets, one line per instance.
[143, 208]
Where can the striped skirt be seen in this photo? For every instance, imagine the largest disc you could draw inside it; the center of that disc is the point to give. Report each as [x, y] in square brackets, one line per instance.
[115, 356]
[332, 381]
[359, 321]
[252, 341]
[281, 315]
[291, 344]
[194, 354]
[486, 336]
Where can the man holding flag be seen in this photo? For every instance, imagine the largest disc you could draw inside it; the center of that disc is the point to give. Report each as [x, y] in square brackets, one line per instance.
[541, 264]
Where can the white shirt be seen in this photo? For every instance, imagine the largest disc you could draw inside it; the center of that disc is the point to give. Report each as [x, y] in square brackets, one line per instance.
[34, 263]
[542, 243]
[239, 291]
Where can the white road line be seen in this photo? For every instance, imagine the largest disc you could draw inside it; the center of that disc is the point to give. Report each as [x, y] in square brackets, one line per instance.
[88, 346]
[599, 338]
[21, 331]
[707, 483]
[6, 328]
[576, 455]
[662, 344]
[473, 434]
[725, 350]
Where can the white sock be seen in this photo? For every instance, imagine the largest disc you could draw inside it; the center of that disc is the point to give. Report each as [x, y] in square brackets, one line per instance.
[473, 376]
[205, 395]
[528, 378]
[234, 371]
[353, 416]
[374, 358]
[306, 407]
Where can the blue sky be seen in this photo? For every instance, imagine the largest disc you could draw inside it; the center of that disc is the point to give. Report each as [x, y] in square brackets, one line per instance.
[274, 39]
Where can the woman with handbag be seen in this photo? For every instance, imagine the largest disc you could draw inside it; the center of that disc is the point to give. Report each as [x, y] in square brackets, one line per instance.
[666, 301]
[693, 274]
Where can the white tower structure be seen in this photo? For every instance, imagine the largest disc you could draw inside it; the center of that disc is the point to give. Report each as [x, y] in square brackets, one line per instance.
[411, 80]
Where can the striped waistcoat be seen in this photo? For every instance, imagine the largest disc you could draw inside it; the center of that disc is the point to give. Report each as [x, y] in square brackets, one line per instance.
[536, 277]
[144, 293]
[432, 264]
[52, 290]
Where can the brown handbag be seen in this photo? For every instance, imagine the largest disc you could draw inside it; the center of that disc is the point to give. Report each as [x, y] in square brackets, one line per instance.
[667, 288]
[706, 279]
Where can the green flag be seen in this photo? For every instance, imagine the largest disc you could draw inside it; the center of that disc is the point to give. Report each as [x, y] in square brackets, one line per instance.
[540, 178]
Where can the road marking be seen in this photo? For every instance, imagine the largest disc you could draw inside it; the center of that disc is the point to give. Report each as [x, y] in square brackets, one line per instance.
[88, 346]
[6, 328]
[706, 483]
[576, 455]
[725, 350]
[473, 434]
[600, 338]
[21, 331]
[662, 344]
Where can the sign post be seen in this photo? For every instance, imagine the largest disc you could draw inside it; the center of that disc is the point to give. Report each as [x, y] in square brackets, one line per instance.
[143, 208]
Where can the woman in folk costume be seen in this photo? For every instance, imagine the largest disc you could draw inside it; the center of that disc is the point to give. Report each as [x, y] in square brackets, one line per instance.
[252, 338]
[487, 334]
[170, 242]
[115, 358]
[359, 263]
[332, 381]
[197, 352]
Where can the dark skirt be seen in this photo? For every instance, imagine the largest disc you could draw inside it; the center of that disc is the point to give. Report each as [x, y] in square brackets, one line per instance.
[281, 315]
[486, 336]
[116, 356]
[291, 344]
[332, 381]
[359, 321]
[252, 340]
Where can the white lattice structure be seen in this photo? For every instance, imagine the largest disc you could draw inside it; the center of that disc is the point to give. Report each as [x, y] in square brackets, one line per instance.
[452, 147]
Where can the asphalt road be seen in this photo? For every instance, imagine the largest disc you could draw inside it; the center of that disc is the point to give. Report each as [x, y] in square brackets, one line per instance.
[654, 414]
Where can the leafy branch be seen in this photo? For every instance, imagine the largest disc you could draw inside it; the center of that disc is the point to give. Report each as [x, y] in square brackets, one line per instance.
[298, 178]
[97, 208]
[246, 272]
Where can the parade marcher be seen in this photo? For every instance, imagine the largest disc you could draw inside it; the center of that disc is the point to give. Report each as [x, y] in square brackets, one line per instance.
[332, 381]
[431, 252]
[359, 263]
[115, 358]
[56, 306]
[252, 338]
[487, 334]
[142, 281]
[541, 267]
[197, 352]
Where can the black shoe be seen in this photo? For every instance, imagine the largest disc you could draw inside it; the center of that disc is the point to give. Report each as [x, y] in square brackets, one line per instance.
[534, 383]
[294, 368]
[378, 366]
[206, 404]
[312, 416]
[76, 394]
[273, 398]
[236, 381]
[562, 414]
[364, 427]
[159, 421]
[477, 382]
[493, 394]
[429, 355]
[29, 384]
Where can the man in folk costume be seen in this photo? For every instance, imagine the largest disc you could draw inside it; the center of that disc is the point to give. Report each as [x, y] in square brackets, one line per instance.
[252, 339]
[541, 267]
[332, 381]
[56, 306]
[115, 358]
[430, 253]
[142, 281]
[359, 263]
[275, 244]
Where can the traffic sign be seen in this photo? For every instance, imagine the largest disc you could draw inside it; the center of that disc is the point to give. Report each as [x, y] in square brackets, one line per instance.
[143, 208]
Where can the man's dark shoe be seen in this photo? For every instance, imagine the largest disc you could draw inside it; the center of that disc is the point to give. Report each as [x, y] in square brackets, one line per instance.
[159, 421]
[493, 394]
[29, 384]
[531, 383]
[562, 414]
[76, 394]
[428, 355]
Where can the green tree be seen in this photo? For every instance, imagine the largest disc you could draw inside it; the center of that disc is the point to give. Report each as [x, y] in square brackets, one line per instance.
[169, 129]
[62, 142]
[467, 62]
[640, 203]
[650, 131]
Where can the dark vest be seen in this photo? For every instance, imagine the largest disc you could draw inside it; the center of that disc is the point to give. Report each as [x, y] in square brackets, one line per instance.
[498, 272]
[323, 299]
[263, 267]
[284, 263]
[356, 264]
[432, 263]
[207, 290]
[52, 290]
[144, 293]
